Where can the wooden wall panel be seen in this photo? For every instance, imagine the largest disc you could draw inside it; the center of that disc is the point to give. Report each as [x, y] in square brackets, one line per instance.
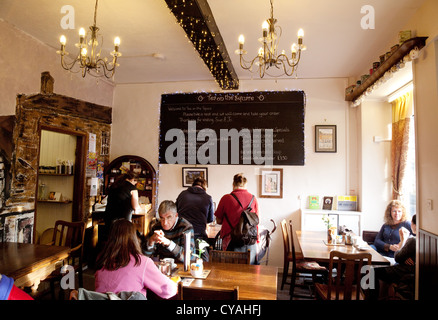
[428, 265]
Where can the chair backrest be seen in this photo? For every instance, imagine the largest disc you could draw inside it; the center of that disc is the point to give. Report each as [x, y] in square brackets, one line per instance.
[346, 285]
[230, 256]
[46, 236]
[288, 241]
[217, 242]
[196, 293]
[369, 236]
[70, 234]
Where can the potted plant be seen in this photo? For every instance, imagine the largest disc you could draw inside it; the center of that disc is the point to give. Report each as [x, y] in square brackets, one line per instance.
[331, 230]
[197, 267]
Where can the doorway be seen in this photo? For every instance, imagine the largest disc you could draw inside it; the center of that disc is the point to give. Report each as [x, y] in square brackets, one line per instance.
[60, 190]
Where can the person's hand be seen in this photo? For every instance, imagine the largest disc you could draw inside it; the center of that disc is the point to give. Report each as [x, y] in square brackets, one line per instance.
[394, 247]
[159, 237]
[404, 234]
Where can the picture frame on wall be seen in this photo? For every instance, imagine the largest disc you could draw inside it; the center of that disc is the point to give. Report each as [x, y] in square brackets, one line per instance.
[190, 174]
[54, 196]
[327, 203]
[271, 183]
[325, 138]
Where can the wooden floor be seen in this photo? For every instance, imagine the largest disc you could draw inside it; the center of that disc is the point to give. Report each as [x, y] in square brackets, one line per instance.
[284, 294]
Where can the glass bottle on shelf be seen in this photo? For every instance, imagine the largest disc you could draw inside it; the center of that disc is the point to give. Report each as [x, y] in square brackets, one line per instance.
[42, 191]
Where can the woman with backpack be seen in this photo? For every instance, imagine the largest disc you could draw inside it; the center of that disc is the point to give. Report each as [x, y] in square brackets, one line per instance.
[229, 212]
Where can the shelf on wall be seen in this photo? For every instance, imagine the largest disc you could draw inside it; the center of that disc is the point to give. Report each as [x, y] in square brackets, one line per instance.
[403, 50]
[54, 201]
[322, 211]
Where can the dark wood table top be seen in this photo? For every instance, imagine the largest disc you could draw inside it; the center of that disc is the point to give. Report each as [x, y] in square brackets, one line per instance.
[313, 247]
[28, 263]
[256, 282]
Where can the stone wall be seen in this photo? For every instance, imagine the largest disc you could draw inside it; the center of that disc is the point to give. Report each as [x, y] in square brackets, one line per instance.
[32, 113]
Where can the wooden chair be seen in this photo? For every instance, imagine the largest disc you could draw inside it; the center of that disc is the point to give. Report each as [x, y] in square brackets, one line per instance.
[69, 234]
[346, 284]
[299, 265]
[369, 236]
[196, 293]
[230, 256]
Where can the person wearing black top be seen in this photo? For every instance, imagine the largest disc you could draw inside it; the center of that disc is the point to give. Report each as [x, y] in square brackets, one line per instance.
[196, 206]
[122, 199]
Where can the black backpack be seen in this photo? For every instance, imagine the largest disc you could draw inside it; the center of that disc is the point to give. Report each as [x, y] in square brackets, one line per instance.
[245, 232]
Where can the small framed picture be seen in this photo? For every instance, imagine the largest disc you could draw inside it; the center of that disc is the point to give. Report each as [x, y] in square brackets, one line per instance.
[327, 203]
[190, 174]
[271, 183]
[325, 138]
[54, 196]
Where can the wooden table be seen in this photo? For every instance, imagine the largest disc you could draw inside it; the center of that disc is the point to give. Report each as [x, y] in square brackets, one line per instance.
[256, 282]
[28, 263]
[313, 248]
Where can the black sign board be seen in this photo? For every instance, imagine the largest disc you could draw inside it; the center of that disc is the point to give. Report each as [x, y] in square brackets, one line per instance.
[252, 128]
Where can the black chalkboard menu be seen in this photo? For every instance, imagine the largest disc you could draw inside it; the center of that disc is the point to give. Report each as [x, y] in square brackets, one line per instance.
[247, 128]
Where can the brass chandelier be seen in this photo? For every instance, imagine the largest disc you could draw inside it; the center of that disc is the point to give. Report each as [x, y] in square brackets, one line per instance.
[89, 58]
[268, 56]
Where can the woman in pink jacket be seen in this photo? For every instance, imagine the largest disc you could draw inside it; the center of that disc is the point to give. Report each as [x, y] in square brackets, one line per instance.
[122, 266]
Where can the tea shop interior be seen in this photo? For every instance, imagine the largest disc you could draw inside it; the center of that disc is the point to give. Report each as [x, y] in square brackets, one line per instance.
[289, 142]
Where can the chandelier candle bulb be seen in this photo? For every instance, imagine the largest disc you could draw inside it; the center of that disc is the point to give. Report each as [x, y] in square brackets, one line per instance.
[300, 36]
[81, 35]
[265, 27]
[63, 41]
[261, 52]
[241, 41]
[116, 44]
[293, 48]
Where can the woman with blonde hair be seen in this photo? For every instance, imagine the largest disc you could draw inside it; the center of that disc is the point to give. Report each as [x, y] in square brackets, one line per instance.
[388, 239]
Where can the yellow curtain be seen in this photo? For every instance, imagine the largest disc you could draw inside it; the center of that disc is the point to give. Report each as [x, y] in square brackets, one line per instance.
[402, 109]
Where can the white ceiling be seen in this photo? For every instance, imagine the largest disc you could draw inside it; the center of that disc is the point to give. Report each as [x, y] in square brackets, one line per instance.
[337, 46]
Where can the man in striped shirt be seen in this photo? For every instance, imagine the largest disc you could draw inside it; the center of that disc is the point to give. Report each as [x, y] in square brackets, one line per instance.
[166, 238]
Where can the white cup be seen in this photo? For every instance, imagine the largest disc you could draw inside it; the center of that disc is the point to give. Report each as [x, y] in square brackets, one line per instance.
[171, 262]
[355, 240]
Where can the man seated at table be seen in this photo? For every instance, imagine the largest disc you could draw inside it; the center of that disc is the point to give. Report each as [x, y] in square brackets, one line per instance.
[166, 238]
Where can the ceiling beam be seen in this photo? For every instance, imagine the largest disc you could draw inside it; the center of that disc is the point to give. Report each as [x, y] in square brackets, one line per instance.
[197, 20]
